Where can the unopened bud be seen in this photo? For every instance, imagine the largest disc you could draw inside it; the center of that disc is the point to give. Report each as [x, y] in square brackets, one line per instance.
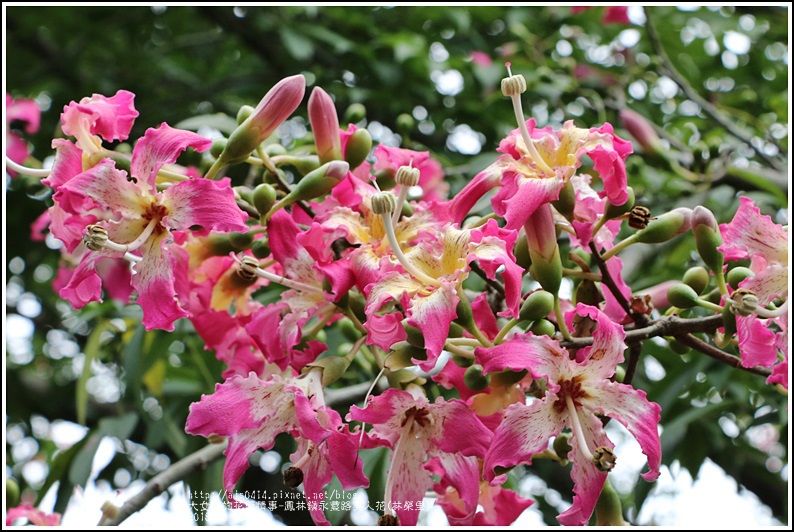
[277, 105]
[696, 277]
[293, 477]
[543, 328]
[405, 123]
[604, 459]
[264, 197]
[587, 293]
[243, 113]
[474, 379]
[260, 248]
[218, 145]
[536, 306]
[745, 303]
[325, 126]
[383, 202]
[95, 237]
[707, 238]
[682, 296]
[566, 201]
[318, 183]
[407, 176]
[356, 112]
[642, 131]
[462, 361]
[357, 149]
[666, 226]
[737, 275]
[544, 252]
[613, 211]
[729, 321]
[241, 241]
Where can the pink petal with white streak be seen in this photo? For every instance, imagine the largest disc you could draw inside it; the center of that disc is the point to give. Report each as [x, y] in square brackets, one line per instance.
[108, 187]
[751, 233]
[160, 146]
[433, 314]
[203, 202]
[154, 282]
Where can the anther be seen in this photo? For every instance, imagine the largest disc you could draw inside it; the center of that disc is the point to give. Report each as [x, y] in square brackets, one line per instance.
[95, 237]
[745, 303]
[383, 203]
[604, 459]
[514, 85]
[407, 176]
[248, 268]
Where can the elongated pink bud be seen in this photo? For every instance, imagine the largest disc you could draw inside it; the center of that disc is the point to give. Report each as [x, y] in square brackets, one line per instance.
[642, 131]
[277, 105]
[546, 267]
[325, 126]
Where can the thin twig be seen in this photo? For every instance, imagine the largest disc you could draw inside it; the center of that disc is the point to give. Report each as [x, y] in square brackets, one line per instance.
[719, 354]
[721, 118]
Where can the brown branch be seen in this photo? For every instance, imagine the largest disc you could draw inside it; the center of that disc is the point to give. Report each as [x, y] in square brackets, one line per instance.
[719, 354]
[721, 118]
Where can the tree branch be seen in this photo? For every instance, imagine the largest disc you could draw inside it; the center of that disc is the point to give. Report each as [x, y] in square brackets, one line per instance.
[689, 91]
[719, 354]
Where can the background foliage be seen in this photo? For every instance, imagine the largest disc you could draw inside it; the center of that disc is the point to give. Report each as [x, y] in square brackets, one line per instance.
[411, 69]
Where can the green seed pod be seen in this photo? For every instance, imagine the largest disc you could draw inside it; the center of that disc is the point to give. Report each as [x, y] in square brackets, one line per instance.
[620, 373]
[12, 493]
[475, 380]
[613, 211]
[220, 244]
[356, 112]
[682, 296]
[707, 238]
[243, 113]
[465, 317]
[264, 197]
[241, 241]
[547, 272]
[218, 145]
[521, 252]
[455, 331]
[666, 226]
[697, 278]
[543, 328]
[260, 248]
[587, 293]
[737, 275]
[357, 148]
[318, 183]
[536, 306]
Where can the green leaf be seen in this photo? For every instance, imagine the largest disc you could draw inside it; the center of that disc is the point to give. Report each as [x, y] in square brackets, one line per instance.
[298, 46]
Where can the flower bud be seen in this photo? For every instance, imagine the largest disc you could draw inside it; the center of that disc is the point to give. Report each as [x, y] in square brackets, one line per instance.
[465, 317]
[260, 248]
[358, 146]
[682, 296]
[729, 321]
[544, 252]
[474, 379]
[12, 493]
[405, 123]
[277, 105]
[521, 252]
[317, 183]
[356, 112]
[264, 197]
[642, 131]
[587, 293]
[241, 241]
[325, 126]
[697, 278]
[543, 328]
[218, 145]
[566, 201]
[666, 226]
[737, 275]
[613, 211]
[243, 113]
[537, 306]
[461, 361]
[707, 238]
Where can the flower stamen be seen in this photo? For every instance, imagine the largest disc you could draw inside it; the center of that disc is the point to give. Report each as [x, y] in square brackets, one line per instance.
[249, 267]
[96, 238]
[576, 428]
[406, 177]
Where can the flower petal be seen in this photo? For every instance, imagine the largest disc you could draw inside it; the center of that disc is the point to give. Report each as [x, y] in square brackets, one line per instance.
[750, 233]
[524, 431]
[769, 282]
[633, 410]
[463, 474]
[108, 187]
[522, 194]
[433, 314]
[85, 285]
[601, 358]
[160, 146]
[109, 117]
[541, 355]
[756, 342]
[154, 281]
[203, 202]
[385, 331]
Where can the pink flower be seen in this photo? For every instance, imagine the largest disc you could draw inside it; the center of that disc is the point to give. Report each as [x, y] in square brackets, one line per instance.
[480, 59]
[24, 113]
[143, 220]
[612, 14]
[578, 389]
[99, 116]
[445, 431]
[501, 507]
[35, 517]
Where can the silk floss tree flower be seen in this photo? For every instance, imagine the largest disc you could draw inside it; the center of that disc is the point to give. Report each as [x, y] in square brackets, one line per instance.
[755, 236]
[142, 221]
[578, 389]
[446, 433]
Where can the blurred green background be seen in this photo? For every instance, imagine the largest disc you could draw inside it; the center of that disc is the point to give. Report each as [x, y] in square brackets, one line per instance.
[427, 78]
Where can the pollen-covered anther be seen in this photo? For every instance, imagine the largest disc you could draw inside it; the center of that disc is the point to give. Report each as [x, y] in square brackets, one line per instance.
[293, 477]
[514, 85]
[248, 268]
[95, 237]
[639, 217]
[745, 302]
[407, 176]
[384, 203]
[604, 459]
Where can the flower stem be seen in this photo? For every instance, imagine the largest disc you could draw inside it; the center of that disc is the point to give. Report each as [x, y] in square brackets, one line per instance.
[620, 246]
[504, 330]
[566, 334]
[35, 172]
[216, 167]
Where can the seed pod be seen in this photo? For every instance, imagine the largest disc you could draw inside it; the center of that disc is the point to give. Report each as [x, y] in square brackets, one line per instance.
[536, 306]
[682, 296]
[697, 278]
[707, 238]
[666, 226]
[543, 328]
[475, 380]
[241, 241]
[358, 146]
[737, 275]
[264, 197]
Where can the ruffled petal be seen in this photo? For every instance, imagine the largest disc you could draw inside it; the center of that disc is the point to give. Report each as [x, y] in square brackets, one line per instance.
[463, 202]
[109, 117]
[601, 358]
[769, 282]
[756, 342]
[492, 248]
[541, 355]
[203, 202]
[524, 431]
[608, 160]
[160, 146]
[521, 195]
[633, 410]
[85, 285]
[750, 233]
[463, 474]
[456, 429]
[385, 331]
[154, 282]
[433, 314]
[108, 187]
